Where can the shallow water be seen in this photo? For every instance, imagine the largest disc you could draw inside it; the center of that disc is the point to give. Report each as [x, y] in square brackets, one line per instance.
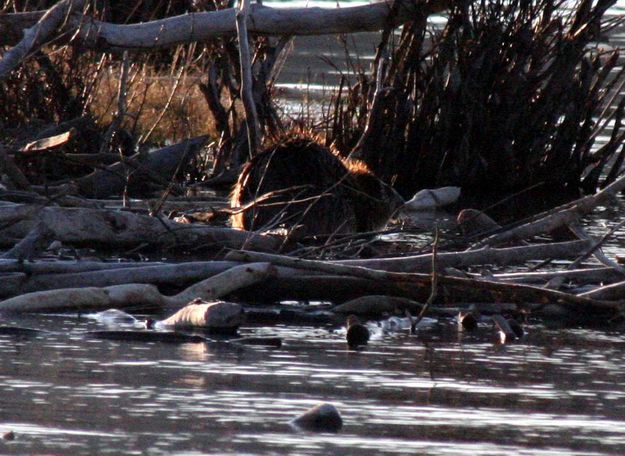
[557, 392]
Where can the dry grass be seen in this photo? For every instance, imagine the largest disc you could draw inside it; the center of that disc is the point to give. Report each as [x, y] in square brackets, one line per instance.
[161, 107]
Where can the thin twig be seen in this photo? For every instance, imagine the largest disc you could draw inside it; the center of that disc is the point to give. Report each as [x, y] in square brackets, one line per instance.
[433, 292]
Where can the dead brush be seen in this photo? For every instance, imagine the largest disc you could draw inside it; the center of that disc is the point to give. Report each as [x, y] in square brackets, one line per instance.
[505, 95]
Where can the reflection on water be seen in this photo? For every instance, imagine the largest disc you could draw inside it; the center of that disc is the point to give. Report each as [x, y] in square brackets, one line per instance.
[439, 392]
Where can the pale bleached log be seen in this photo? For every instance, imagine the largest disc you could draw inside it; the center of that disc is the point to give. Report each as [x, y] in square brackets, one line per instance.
[579, 276]
[127, 296]
[497, 256]
[208, 25]
[612, 292]
[49, 142]
[122, 229]
[38, 34]
[216, 316]
[555, 218]
[488, 289]
[66, 299]
[173, 275]
[226, 282]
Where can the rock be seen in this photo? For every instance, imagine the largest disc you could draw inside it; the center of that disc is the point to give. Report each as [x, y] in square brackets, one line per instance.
[9, 435]
[321, 418]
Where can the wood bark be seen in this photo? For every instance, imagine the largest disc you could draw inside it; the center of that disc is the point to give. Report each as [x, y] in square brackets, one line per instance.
[496, 290]
[561, 216]
[122, 229]
[193, 27]
[38, 34]
[134, 295]
[501, 257]
[245, 63]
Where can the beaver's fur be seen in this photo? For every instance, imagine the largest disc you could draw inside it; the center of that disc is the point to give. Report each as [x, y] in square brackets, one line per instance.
[299, 182]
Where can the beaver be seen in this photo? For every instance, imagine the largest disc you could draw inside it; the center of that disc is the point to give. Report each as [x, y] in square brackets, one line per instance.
[298, 182]
[357, 333]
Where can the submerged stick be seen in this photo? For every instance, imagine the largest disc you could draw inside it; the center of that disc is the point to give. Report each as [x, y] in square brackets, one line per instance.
[434, 285]
[178, 337]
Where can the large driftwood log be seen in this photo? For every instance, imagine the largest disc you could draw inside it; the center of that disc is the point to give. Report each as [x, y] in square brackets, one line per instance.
[501, 257]
[172, 275]
[486, 290]
[206, 26]
[136, 295]
[121, 229]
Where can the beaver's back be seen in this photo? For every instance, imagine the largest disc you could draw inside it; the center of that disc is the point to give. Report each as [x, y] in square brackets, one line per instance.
[300, 182]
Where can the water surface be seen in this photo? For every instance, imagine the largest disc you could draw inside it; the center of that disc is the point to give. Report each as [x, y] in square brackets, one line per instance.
[557, 392]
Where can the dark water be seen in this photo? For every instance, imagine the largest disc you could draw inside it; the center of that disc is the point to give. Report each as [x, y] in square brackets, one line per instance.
[558, 392]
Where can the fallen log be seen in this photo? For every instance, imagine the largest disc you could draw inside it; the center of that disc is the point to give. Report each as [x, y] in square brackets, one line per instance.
[580, 276]
[495, 256]
[122, 229]
[472, 289]
[501, 257]
[134, 296]
[172, 275]
[555, 218]
[38, 34]
[69, 267]
[199, 27]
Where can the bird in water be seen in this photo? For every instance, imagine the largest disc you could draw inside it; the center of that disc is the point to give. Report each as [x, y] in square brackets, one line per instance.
[357, 333]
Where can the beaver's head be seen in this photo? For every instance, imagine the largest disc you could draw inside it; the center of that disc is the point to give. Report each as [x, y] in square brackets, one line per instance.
[376, 201]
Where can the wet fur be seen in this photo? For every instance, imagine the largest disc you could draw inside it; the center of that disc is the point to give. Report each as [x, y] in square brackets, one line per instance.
[299, 182]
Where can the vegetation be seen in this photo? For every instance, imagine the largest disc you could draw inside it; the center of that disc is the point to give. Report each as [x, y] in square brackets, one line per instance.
[505, 96]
